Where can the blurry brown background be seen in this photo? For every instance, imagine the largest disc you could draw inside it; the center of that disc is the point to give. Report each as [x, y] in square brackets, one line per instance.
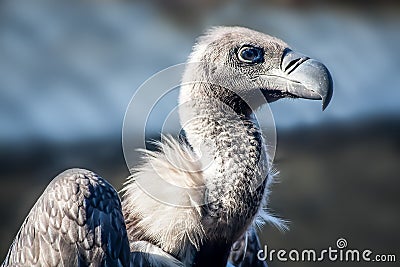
[68, 70]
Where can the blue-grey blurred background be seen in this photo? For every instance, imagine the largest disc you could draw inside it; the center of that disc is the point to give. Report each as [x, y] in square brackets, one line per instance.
[69, 69]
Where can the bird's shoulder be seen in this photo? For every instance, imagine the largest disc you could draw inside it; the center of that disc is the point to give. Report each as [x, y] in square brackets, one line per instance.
[77, 219]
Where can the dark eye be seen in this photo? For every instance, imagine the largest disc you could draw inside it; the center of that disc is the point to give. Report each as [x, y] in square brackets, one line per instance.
[251, 54]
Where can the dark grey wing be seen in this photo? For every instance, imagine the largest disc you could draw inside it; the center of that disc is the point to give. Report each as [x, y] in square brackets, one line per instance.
[244, 251]
[77, 221]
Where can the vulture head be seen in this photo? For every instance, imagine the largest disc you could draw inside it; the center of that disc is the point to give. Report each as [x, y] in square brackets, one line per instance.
[236, 62]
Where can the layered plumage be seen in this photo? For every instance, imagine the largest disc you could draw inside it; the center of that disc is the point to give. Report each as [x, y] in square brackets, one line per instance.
[71, 224]
[192, 202]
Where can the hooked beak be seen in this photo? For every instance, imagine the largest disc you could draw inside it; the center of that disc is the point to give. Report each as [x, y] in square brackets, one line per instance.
[300, 77]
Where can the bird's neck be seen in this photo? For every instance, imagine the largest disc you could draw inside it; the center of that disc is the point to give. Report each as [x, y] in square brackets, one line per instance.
[235, 164]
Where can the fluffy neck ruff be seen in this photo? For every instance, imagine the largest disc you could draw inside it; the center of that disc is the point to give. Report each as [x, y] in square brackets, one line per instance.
[198, 198]
[162, 201]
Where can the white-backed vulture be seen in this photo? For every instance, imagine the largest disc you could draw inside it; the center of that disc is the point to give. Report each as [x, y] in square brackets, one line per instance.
[79, 219]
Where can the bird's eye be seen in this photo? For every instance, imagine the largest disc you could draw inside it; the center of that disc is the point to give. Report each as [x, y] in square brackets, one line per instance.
[251, 54]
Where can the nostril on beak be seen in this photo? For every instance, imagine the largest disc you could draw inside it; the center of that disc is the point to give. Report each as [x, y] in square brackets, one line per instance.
[294, 64]
[291, 60]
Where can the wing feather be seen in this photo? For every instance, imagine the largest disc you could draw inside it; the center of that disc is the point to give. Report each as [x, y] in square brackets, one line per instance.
[76, 221]
[244, 251]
